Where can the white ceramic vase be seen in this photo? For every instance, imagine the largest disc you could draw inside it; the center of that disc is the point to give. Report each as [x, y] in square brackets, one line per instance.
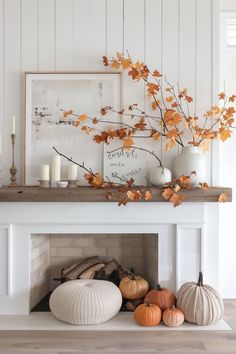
[159, 176]
[190, 160]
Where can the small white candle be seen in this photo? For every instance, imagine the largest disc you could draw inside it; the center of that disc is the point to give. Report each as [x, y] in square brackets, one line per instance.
[44, 172]
[13, 125]
[72, 172]
[56, 168]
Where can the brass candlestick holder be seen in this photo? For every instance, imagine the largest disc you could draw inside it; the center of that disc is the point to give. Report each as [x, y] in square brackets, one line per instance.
[13, 169]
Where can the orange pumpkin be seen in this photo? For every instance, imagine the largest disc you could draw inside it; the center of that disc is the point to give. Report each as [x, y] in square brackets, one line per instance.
[133, 287]
[147, 314]
[173, 317]
[162, 297]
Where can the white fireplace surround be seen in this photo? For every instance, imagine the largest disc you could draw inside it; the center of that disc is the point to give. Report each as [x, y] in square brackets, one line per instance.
[188, 239]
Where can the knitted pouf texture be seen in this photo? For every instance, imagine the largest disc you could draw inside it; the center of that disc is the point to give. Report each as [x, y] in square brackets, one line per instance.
[85, 302]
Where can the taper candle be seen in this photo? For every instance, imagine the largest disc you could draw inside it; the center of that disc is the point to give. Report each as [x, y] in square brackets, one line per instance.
[13, 125]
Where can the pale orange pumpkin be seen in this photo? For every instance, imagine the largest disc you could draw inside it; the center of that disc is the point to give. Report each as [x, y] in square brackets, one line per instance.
[133, 287]
[162, 297]
[147, 314]
[173, 317]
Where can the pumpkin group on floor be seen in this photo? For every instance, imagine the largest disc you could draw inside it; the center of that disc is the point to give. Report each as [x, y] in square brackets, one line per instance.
[196, 303]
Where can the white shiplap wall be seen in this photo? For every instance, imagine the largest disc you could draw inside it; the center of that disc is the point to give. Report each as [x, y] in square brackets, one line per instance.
[69, 35]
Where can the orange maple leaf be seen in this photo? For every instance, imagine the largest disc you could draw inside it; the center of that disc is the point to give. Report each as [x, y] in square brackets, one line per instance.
[67, 113]
[154, 105]
[171, 117]
[115, 64]
[172, 134]
[232, 98]
[128, 143]
[170, 144]
[169, 99]
[224, 134]
[105, 61]
[95, 180]
[134, 73]
[156, 73]
[134, 195]
[176, 199]
[82, 117]
[204, 185]
[141, 124]
[126, 63]
[221, 96]
[148, 195]
[152, 88]
[223, 197]
[167, 193]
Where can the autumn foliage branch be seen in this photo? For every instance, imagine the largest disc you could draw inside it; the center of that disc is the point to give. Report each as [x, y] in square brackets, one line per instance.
[168, 118]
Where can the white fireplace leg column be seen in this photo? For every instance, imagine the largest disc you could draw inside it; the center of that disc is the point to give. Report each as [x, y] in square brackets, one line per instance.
[15, 277]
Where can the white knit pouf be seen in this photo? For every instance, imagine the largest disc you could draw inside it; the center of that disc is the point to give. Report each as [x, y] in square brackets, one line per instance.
[85, 301]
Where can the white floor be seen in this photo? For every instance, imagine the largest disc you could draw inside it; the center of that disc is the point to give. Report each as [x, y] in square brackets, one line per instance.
[124, 321]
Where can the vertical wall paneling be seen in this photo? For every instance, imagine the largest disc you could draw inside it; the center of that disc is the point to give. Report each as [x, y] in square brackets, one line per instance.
[89, 34]
[187, 46]
[29, 41]
[4, 261]
[204, 50]
[2, 94]
[72, 35]
[215, 168]
[170, 54]
[189, 253]
[115, 29]
[134, 43]
[64, 35]
[46, 35]
[12, 59]
[153, 58]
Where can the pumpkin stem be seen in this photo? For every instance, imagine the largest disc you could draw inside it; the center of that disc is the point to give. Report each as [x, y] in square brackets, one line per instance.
[173, 307]
[132, 276]
[147, 303]
[158, 287]
[200, 279]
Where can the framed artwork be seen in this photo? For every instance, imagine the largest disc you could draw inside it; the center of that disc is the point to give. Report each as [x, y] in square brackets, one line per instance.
[48, 96]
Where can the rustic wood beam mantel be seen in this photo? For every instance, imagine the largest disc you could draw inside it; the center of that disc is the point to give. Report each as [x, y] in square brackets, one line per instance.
[89, 194]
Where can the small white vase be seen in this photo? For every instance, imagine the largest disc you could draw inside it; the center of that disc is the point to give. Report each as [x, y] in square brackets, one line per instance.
[159, 176]
[190, 160]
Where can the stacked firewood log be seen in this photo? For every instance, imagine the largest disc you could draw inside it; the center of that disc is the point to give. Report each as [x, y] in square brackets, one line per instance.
[102, 268]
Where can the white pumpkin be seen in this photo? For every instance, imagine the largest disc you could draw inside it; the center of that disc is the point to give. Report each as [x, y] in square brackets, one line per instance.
[200, 303]
[160, 176]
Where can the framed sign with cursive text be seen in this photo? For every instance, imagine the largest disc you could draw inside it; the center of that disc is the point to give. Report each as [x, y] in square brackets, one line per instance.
[125, 164]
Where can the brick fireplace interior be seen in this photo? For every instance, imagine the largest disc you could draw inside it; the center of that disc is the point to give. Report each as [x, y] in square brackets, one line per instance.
[52, 252]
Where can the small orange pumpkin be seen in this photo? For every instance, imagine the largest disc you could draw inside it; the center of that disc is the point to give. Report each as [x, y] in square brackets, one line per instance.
[162, 297]
[173, 317]
[147, 314]
[133, 287]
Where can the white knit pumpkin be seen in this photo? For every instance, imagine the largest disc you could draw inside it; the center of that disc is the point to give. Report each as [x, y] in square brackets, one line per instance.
[200, 303]
[85, 302]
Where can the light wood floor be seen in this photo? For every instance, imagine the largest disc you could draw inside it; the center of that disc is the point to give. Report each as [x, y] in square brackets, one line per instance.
[175, 342]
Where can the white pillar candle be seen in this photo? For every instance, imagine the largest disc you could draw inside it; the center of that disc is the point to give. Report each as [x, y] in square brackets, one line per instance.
[56, 168]
[44, 172]
[13, 125]
[72, 172]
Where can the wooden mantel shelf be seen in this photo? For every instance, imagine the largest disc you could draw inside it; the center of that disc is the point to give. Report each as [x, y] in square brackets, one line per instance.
[89, 194]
